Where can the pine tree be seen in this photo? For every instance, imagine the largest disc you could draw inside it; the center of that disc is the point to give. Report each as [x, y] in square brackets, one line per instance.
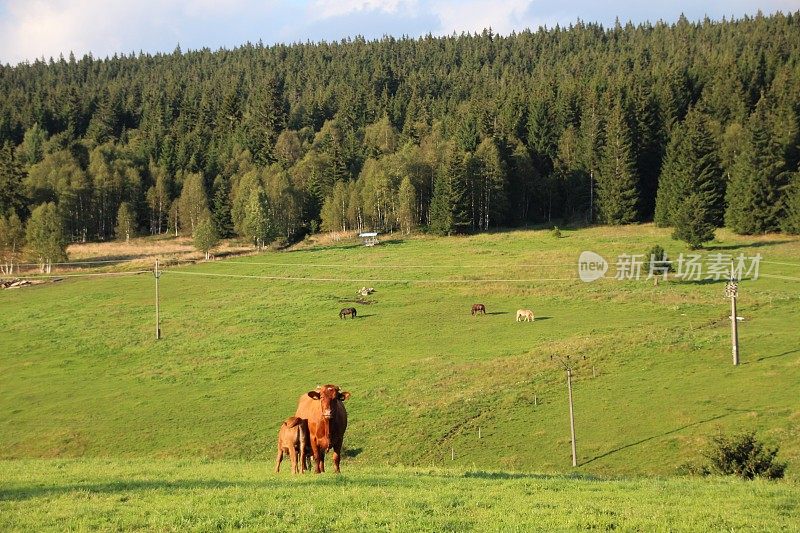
[221, 208]
[691, 220]
[45, 236]
[126, 224]
[757, 177]
[617, 193]
[692, 170]
[11, 177]
[790, 222]
[448, 213]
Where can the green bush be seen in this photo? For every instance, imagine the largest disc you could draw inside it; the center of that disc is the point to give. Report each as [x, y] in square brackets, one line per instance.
[658, 259]
[744, 456]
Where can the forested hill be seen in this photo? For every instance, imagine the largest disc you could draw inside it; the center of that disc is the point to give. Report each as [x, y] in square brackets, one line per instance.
[681, 122]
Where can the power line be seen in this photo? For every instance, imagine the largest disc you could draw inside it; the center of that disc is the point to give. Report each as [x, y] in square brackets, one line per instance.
[372, 280]
[88, 274]
[334, 265]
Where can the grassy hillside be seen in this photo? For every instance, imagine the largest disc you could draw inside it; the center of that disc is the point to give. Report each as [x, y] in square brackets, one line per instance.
[82, 376]
[181, 495]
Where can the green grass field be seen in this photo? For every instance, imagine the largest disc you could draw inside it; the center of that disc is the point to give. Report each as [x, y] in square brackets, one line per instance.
[82, 376]
[185, 495]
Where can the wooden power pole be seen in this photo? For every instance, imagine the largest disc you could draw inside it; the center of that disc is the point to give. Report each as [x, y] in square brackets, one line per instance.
[565, 362]
[157, 274]
[732, 291]
[571, 419]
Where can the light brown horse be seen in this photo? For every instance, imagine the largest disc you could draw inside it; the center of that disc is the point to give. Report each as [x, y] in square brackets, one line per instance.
[525, 315]
[478, 308]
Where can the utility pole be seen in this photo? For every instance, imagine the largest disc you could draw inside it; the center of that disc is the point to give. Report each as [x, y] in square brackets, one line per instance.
[731, 291]
[565, 362]
[157, 274]
[591, 196]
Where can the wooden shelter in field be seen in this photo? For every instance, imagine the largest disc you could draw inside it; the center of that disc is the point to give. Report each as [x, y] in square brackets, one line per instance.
[370, 238]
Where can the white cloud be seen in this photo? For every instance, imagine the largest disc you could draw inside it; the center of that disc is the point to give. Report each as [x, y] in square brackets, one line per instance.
[502, 16]
[32, 29]
[322, 9]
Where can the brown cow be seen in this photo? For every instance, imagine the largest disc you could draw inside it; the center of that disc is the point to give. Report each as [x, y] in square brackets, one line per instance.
[478, 308]
[324, 409]
[293, 439]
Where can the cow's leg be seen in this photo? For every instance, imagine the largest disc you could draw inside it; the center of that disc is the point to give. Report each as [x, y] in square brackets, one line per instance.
[337, 455]
[321, 462]
[293, 458]
[317, 453]
[278, 460]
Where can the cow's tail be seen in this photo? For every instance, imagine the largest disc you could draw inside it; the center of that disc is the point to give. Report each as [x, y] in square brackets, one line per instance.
[292, 421]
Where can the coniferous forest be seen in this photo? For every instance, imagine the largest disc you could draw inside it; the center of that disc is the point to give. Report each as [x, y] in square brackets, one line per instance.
[692, 125]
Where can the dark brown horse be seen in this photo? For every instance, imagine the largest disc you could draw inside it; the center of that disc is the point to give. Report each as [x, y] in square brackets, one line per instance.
[478, 308]
[348, 311]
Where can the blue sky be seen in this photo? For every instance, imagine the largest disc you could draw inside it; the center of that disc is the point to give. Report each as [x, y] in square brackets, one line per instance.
[31, 29]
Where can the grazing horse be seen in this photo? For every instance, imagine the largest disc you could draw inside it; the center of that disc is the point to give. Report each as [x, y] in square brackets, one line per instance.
[348, 311]
[478, 308]
[525, 315]
[293, 439]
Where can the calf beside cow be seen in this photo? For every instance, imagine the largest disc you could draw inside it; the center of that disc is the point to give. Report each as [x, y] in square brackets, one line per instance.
[319, 424]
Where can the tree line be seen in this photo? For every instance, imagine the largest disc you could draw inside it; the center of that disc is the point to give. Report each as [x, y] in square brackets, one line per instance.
[693, 125]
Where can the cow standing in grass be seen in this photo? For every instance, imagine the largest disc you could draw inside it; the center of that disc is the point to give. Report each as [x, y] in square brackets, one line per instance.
[293, 439]
[324, 409]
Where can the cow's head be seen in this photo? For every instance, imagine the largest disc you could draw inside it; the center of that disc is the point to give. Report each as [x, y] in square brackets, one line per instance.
[329, 397]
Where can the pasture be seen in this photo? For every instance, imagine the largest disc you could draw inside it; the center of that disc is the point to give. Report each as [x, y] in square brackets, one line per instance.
[82, 376]
[181, 495]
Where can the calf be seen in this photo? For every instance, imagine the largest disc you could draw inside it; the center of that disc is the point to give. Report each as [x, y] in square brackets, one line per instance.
[293, 439]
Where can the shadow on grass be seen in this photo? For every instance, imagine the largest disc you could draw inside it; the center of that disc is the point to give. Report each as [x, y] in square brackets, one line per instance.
[670, 432]
[790, 352]
[499, 313]
[481, 474]
[757, 244]
[270, 481]
[352, 452]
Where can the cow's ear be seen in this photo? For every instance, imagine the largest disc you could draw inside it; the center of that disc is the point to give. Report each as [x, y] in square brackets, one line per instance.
[343, 396]
[314, 395]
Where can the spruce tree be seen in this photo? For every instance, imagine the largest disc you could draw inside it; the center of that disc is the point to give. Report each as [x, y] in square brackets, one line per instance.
[448, 213]
[617, 192]
[790, 222]
[221, 208]
[691, 220]
[691, 179]
[757, 177]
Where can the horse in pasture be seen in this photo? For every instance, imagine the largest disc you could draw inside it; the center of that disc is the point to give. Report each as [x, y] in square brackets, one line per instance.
[478, 308]
[525, 315]
[324, 409]
[351, 311]
[293, 439]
